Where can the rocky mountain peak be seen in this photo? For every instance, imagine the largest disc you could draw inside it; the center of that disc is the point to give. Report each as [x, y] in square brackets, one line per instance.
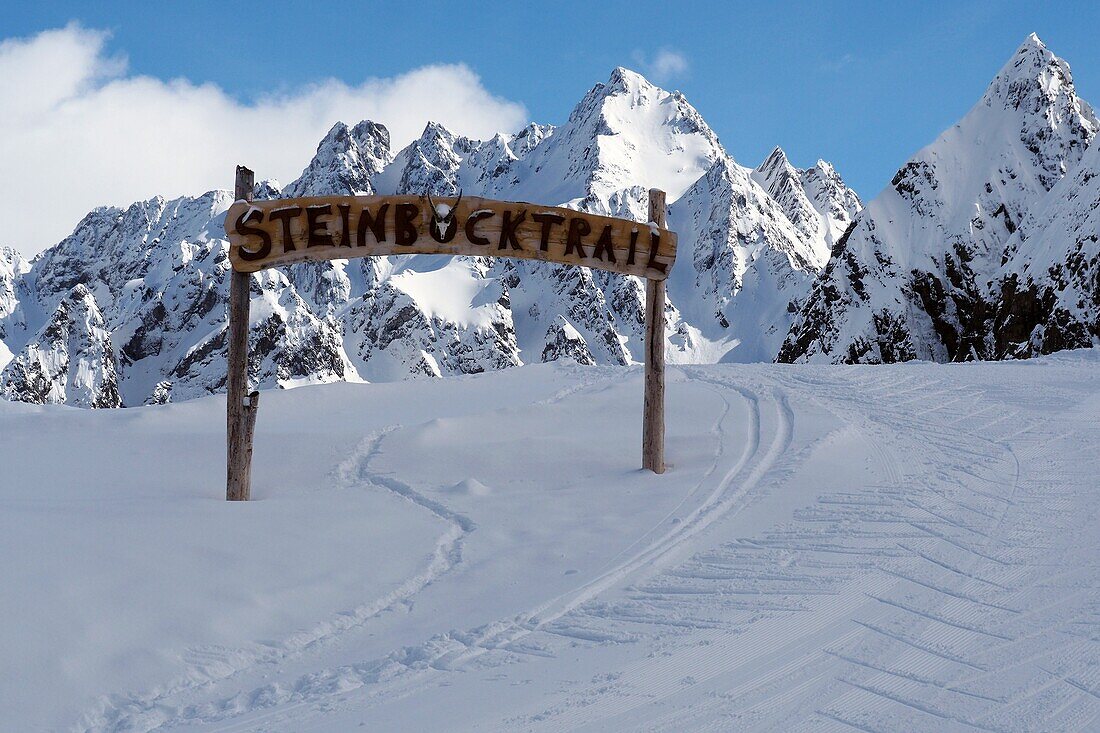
[915, 277]
[838, 204]
[825, 168]
[431, 163]
[776, 175]
[775, 164]
[1035, 88]
[529, 138]
[13, 268]
[815, 200]
[69, 361]
[623, 80]
[13, 265]
[623, 137]
[346, 160]
[1031, 62]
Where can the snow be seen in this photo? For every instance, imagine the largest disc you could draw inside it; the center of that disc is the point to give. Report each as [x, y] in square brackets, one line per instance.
[654, 137]
[904, 547]
[922, 270]
[451, 291]
[157, 268]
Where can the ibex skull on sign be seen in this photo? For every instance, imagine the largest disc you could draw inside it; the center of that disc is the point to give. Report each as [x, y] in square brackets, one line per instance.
[443, 225]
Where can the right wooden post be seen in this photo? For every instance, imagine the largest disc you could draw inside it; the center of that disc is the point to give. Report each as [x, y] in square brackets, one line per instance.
[653, 410]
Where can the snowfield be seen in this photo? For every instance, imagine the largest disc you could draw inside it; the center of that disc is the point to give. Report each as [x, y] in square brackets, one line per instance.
[834, 548]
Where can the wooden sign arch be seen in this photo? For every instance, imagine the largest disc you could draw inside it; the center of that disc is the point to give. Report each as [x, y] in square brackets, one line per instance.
[265, 234]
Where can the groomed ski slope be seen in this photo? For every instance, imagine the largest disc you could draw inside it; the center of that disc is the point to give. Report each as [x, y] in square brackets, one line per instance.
[886, 548]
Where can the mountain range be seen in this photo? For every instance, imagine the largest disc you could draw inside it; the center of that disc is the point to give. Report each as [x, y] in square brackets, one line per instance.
[984, 246]
[979, 247]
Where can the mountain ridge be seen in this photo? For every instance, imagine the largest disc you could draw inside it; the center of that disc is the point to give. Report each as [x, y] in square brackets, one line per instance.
[983, 246]
[157, 269]
[917, 276]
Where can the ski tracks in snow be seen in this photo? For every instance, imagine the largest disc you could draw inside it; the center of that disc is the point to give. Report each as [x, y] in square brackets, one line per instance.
[207, 666]
[161, 707]
[942, 597]
[947, 597]
[735, 483]
[971, 637]
[724, 486]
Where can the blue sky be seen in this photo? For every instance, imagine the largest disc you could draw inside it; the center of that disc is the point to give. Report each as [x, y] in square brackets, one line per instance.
[861, 84]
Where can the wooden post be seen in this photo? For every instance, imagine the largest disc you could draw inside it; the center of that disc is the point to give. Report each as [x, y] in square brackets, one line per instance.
[240, 405]
[653, 410]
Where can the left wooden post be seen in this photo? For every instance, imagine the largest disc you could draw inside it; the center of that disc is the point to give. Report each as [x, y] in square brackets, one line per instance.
[241, 405]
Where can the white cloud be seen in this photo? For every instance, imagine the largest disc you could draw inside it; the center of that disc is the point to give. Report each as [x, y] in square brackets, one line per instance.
[77, 131]
[665, 66]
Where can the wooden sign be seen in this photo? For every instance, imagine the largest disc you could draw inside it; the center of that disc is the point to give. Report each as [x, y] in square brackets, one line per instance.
[265, 234]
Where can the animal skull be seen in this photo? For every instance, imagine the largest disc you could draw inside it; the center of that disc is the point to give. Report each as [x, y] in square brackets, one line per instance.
[443, 217]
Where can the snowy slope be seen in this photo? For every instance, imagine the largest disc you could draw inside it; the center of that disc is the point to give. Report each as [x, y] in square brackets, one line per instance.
[625, 137]
[905, 547]
[815, 200]
[157, 269]
[1049, 287]
[747, 263]
[13, 268]
[912, 279]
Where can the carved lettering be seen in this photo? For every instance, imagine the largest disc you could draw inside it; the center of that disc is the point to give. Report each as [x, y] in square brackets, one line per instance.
[471, 223]
[404, 224]
[578, 228]
[603, 245]
[317, 233]
[508, 230]
[376, 224]
[547, 220]
[654, 243]
[329, 227]
[244, 230]
[345, 224]
[284, 215]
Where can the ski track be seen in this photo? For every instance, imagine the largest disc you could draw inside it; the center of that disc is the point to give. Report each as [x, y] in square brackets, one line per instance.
[946, 631]
[564, 616]
[152, 710]
[893, 693]
[935, 614]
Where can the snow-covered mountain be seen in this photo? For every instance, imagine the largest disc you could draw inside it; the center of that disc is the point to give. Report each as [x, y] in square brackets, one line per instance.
[1048, 293]
[13, 268]
[926, 269]
[815, 200]
[748, 261]
[70, 360]
[346, 160]
[155, 272]
[983, 246]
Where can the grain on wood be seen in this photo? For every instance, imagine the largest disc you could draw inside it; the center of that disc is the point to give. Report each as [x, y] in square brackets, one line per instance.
[653, 410]
[240, 406]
